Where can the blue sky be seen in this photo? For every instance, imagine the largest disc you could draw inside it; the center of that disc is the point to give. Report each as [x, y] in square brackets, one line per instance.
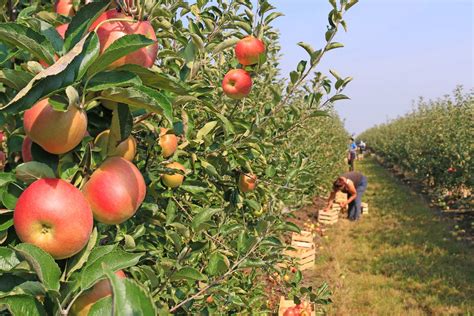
[396, 50]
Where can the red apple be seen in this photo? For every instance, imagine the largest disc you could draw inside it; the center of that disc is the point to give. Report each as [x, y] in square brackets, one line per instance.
[56, 132]
[115, 191]
[248, 50]
[101, 289]
[109, 32]
[53, 215]
[2, 137]
[126, 149]
[237, 84]
[64, 7]
[168, 143]
[173, 180]
[247, 182]
[26, 149]
[61, 29]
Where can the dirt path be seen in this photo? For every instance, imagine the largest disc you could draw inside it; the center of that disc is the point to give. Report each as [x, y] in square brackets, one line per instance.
[401, 259]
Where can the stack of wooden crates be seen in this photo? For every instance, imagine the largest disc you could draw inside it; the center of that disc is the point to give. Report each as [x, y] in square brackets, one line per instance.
[305, 250]
[332, 216]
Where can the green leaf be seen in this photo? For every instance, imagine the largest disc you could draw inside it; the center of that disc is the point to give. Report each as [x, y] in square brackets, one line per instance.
[31, 171]
[189, 273]
[27, 39]
[116, 260]
[338, 97]
[6, 178]
[16, 79]
[8, 259]
[141, 97]
[108, 79]
[129, 298]
[218, 264]
[252, 263]
[7, 224]
[334, 45]
[319, 113]
[56, 77]
[44, 265]
[82, 21]
[272, 16]
[206, 129]
[121, 47]
[335, 74]
[102, 307]
[230, 228]
[230, 42]
[22, 305]
[154, 79]
[307, 48]
[10, 195]
[81, 258]
[202, 217]
[121, 126]
[294, 76]
[170, 212]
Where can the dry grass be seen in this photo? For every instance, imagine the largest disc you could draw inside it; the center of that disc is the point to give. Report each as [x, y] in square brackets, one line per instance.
[399, 260]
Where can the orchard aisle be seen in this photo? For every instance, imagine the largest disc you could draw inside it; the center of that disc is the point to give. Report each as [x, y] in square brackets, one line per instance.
[398, 260]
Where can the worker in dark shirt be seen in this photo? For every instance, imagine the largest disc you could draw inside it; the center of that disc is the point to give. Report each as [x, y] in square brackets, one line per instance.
[354, 184]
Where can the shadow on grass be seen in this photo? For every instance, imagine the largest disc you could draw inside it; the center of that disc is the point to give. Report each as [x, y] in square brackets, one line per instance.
[414, 245]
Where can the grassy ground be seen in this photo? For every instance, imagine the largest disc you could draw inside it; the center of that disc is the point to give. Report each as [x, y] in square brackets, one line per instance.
[399, 260]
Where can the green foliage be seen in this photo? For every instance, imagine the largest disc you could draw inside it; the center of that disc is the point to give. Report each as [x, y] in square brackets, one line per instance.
[433, 143]
[205, 237]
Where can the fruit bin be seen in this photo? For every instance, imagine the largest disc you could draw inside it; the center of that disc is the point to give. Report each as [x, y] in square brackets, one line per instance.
[328, 217]
[284, 304]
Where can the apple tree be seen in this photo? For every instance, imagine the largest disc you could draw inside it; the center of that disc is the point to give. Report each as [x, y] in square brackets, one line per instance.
[173, 120]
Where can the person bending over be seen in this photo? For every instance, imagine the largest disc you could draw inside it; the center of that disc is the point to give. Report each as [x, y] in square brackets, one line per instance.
[354, 184]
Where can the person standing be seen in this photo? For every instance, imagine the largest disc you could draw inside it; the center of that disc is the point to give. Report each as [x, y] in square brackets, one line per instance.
[354, 184]
[352, 153]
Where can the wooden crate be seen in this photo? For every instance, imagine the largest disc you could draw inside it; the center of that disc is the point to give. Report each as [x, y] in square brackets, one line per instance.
[365, 208]
[284, 304]
[328, 218]
[340, 197]
[304, 249]
[305, 239]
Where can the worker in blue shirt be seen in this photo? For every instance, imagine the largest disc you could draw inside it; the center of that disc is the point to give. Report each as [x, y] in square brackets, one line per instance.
[352, 148]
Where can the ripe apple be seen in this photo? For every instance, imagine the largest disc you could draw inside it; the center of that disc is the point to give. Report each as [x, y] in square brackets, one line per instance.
[2, 137]
[237, 84]
[100, 290]
[115, 191]
[173, 180]
[64, 7]
[109, 32]
[248, 50]
[61, 29]
[53, 215]
[247, 182]
[168, 143]
[56, 132]
[26, 149]
[209, 299]
[126, 149]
